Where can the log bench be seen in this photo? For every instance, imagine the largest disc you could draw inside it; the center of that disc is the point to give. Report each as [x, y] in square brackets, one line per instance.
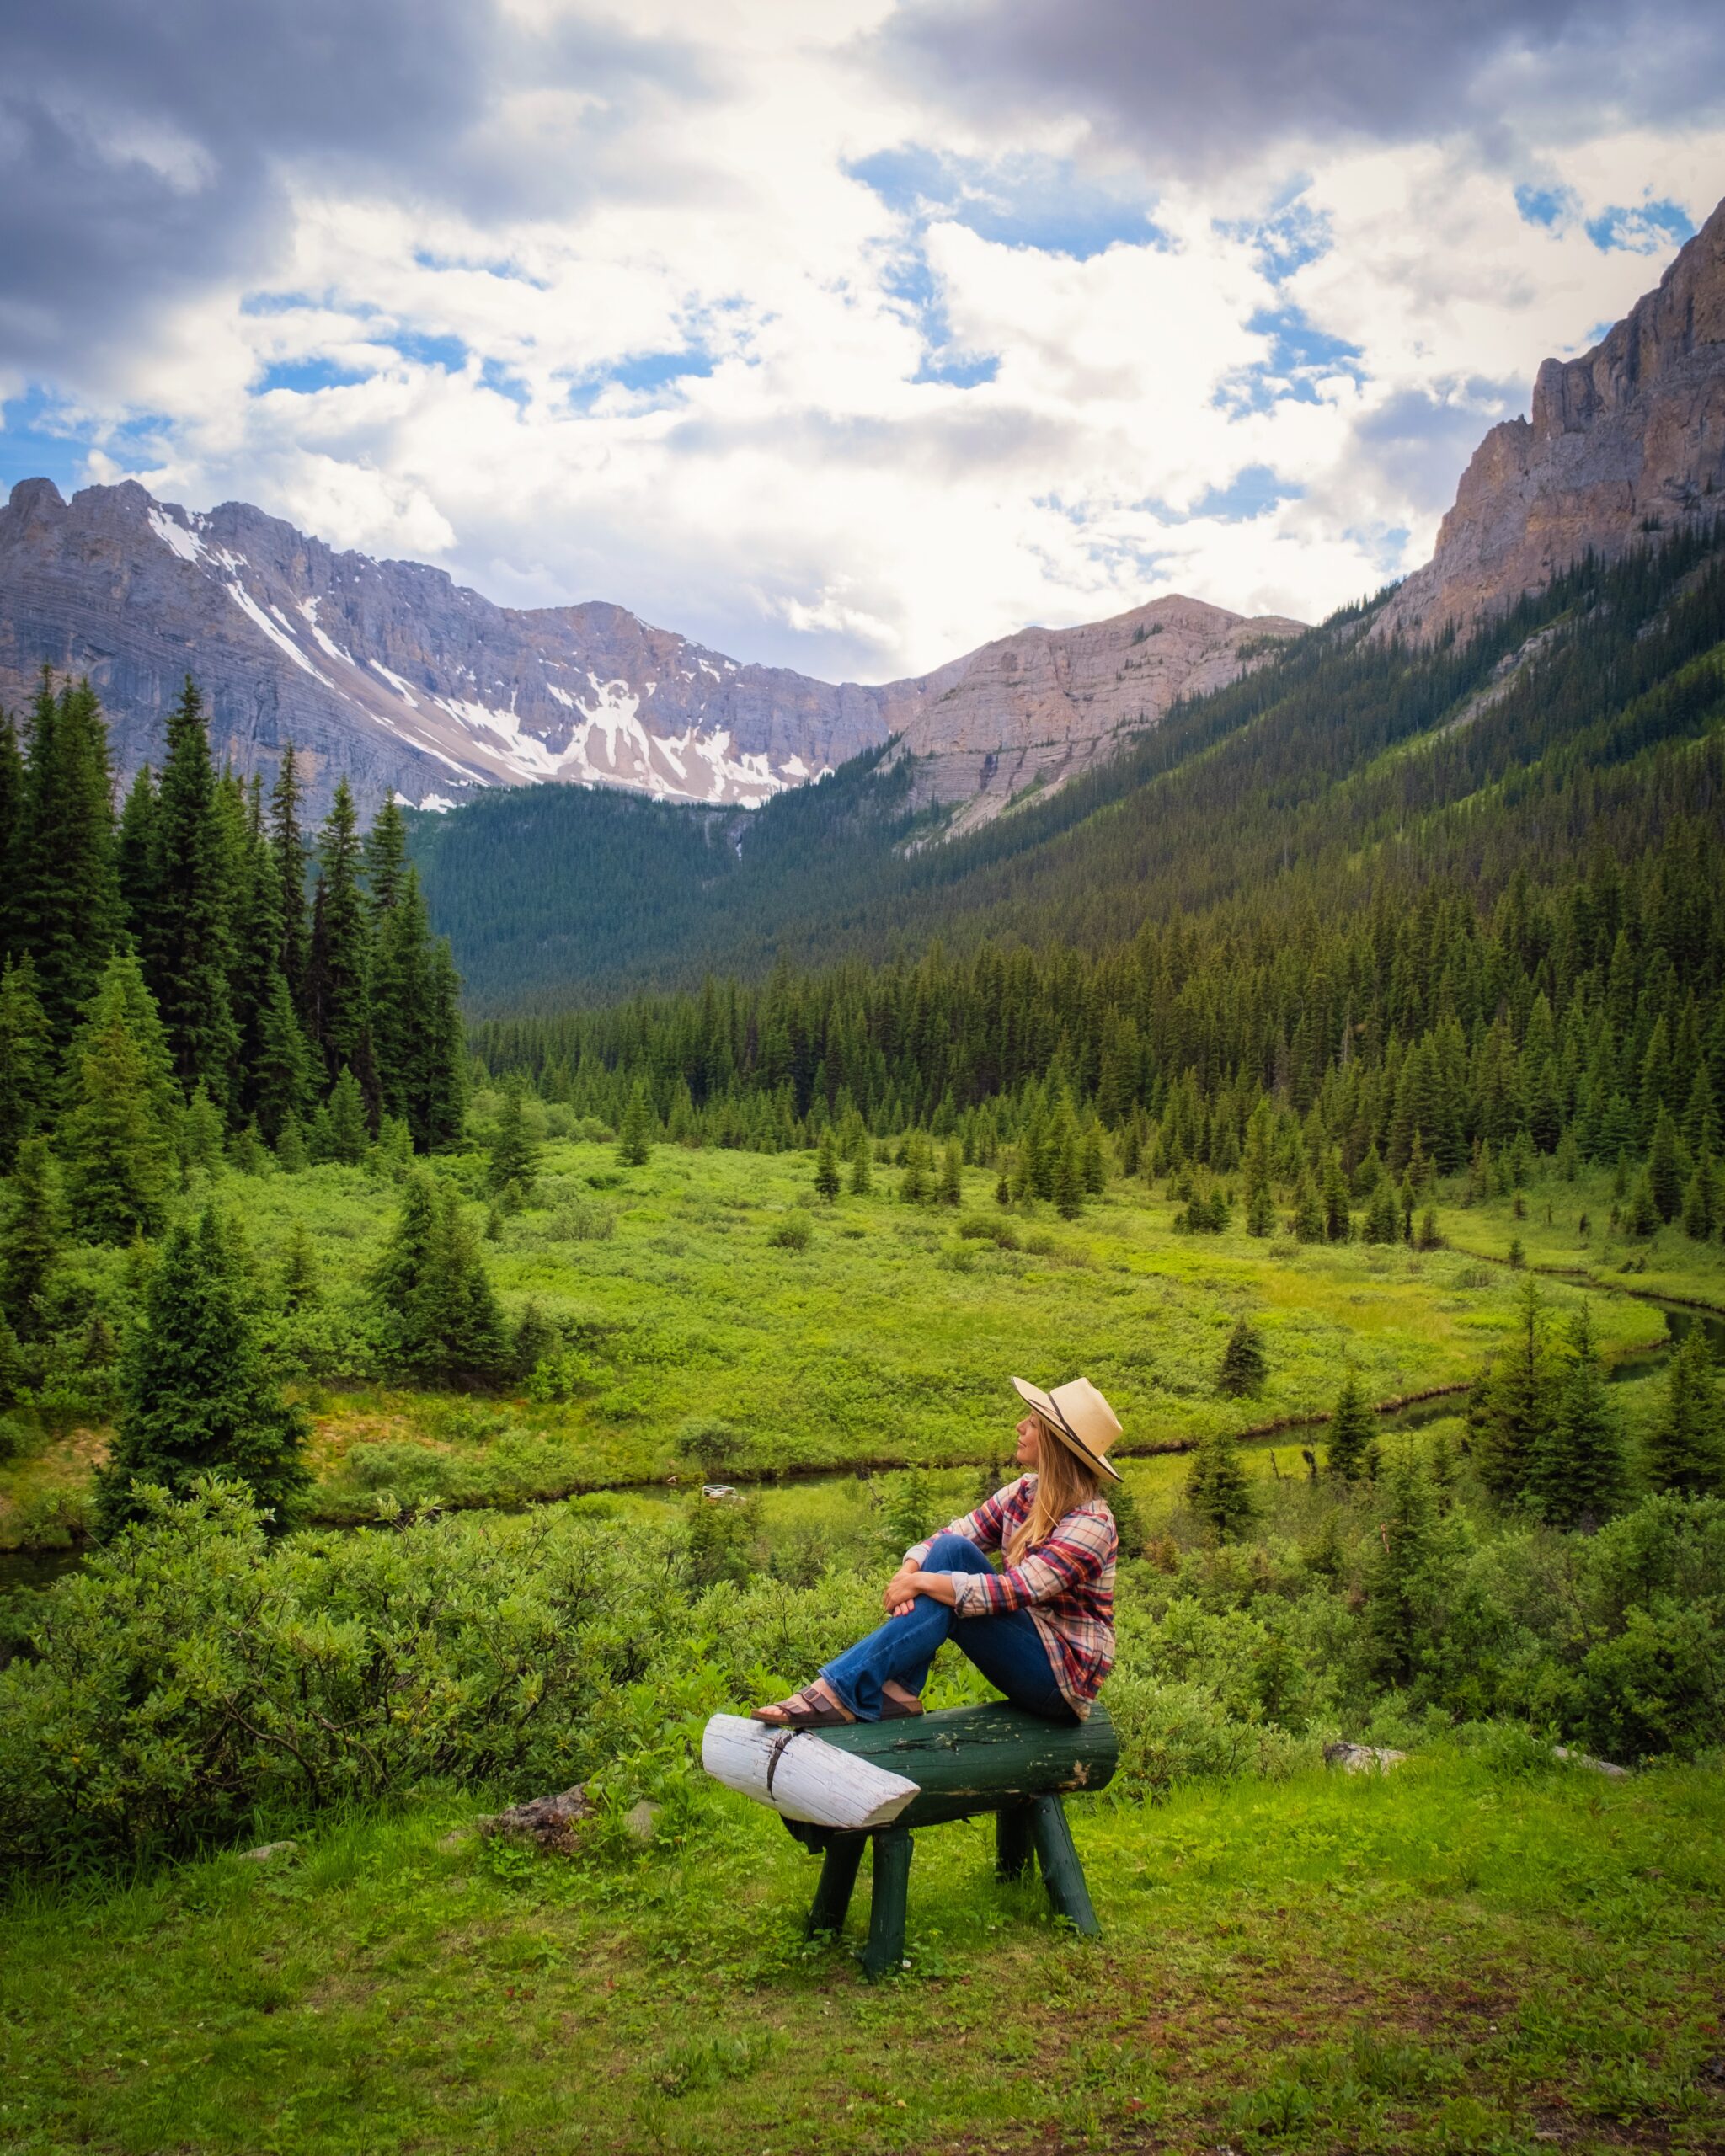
[879, 1781]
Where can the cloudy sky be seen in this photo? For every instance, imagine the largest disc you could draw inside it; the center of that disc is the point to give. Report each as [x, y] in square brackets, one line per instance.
[841, 333]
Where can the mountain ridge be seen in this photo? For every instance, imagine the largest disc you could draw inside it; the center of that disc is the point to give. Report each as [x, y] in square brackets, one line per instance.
[412, 683]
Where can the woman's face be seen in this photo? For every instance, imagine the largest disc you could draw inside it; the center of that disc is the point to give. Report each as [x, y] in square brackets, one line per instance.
[1029, 1442]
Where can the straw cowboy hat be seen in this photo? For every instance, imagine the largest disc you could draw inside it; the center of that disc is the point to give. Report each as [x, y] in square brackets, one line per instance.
[1079, 1418]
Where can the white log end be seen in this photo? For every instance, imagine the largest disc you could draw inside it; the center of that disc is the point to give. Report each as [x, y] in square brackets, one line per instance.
[811, 1781]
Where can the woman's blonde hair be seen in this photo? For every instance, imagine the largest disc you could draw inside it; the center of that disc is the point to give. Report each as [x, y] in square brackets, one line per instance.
[1063, 1483]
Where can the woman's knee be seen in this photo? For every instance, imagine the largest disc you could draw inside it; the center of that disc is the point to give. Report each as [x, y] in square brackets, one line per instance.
[952, 1553]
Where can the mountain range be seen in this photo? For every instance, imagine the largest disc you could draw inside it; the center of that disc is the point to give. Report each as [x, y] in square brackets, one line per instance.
[408, 682]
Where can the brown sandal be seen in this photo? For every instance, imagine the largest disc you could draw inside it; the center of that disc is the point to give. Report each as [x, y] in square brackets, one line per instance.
[892, 1710]
[813, 1713]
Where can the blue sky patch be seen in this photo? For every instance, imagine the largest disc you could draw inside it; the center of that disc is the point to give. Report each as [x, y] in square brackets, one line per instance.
[910, 282]
[1548, 206]
[1024, 201]
[304, 377]
[1300, 355]
[1290, 237]
[1648, 228]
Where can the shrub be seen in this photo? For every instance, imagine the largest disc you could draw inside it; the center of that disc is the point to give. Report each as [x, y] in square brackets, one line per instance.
[793, 1233]
[194, 1672]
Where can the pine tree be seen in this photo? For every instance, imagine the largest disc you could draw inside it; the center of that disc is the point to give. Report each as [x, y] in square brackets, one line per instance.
[197, 1397]
[1354, 1429]
[1066, 1173]
[350, 1137]
[66, 898]
[1700, 1204]
[118, 1135]
[1093, 1168]
[515, 1156]
[1260, 1211]
[1403, 1596]
[1308, 1223]
[951, 1188]
[1383, 1219]
[200, 1131]
[862, 1175]
[440, 1319]
[292, 1155]
[635, 1140]
[441, 1099]
[32, 1235]
[26, 1059]
[287, 850]
[1244, 1365]
[339, 966]
[1516, 1407]
[1664, 1170]
[301, 1287]
[1685, 1448]
[1643, 1218]
[279, 1082]
[13, 784]
[827, 1169]
[1337, 1223]
[135, 855]
[1579, 1468]
[187, 946]
[1217, 1488]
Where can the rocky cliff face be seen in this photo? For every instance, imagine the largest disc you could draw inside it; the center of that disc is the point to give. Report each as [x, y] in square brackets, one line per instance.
[1041, 706]
[1627, 441]
[393, 672]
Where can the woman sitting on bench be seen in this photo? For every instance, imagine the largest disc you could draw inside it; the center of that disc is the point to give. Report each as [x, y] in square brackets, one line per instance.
[1041, 1628]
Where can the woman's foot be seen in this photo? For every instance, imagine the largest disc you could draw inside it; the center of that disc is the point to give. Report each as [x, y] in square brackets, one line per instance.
[896, 1702]
[816, 1706]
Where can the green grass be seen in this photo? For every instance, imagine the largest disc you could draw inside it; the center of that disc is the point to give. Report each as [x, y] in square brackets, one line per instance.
[691, 1309]
[1463, 1955]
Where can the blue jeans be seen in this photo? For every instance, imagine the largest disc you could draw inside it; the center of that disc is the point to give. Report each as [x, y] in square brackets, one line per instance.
[1006, 1647]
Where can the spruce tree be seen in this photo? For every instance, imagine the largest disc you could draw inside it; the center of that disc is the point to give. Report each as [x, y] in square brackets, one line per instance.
[350, 1135]
[200, 1132]
[1515, 1413]
[135, 855]
[26, 1059]
[279, 1082]
[862, 1175]
[827, 1169]
[67, 894]
[302, 1286]
[1700, 1203]
[1685, 1447]
[950, 1190]
[292, 1155]
[197, 1397]
[1092, 1167]
[1244, 1365]
[189, 946]
[12, 783]
[1339, 1224]
[1217, 1488]
[1260, 1211]
[287, 850]
[1664, 1169]
[118, 1133]
[1403, 1597]
[399, 999]
[1579, 1468]
[515, 1154]
[1354, 1429]
[635, 1140]
[1308, 1222]
[339, 967]
[441, 1102]
[1383, 1219]
[31, 1236]
[442, 1323]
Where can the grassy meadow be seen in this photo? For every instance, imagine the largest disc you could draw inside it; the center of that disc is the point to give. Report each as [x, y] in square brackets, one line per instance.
[712, 1285]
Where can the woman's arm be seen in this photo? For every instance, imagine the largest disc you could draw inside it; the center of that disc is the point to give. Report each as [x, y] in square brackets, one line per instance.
[1077, 1553]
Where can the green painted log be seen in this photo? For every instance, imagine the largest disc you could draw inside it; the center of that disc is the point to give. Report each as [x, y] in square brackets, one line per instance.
[969, 1760]
[972, 1759]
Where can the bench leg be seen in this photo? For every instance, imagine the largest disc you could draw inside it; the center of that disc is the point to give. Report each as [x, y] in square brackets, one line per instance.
[886, 1904]
[838, 1876]
[1014, 1842]
[1062, 1873]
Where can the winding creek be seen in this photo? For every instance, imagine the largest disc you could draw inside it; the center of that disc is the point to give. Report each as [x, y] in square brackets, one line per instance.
[26, 1570]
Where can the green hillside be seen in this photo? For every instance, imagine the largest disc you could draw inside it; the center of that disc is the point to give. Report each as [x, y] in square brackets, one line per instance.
[1586, 717]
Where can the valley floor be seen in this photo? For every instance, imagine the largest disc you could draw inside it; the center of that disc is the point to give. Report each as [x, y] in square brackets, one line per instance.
[1479, 1951]
[686, 1303]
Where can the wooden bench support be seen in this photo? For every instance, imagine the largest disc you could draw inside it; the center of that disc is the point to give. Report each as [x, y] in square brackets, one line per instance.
[931, 1768]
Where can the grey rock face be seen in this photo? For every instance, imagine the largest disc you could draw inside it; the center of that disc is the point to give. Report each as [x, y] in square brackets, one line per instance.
[406, 681]
[1623, 443]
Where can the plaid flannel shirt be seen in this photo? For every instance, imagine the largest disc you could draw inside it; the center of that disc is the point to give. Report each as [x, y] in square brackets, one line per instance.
[1067, 1584]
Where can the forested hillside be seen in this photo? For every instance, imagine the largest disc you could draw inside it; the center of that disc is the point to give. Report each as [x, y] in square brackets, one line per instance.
[1347, 767]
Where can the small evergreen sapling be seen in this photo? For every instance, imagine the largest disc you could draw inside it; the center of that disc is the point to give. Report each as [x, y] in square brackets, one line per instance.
[826, 1170]
[197, 1398]
[1579, 1471]
[635, 1140]
[1244, 1365]
[1217, 1488]
[515, 1154]
[34, 1230]
[1685, 1448]
[1353, 1430]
